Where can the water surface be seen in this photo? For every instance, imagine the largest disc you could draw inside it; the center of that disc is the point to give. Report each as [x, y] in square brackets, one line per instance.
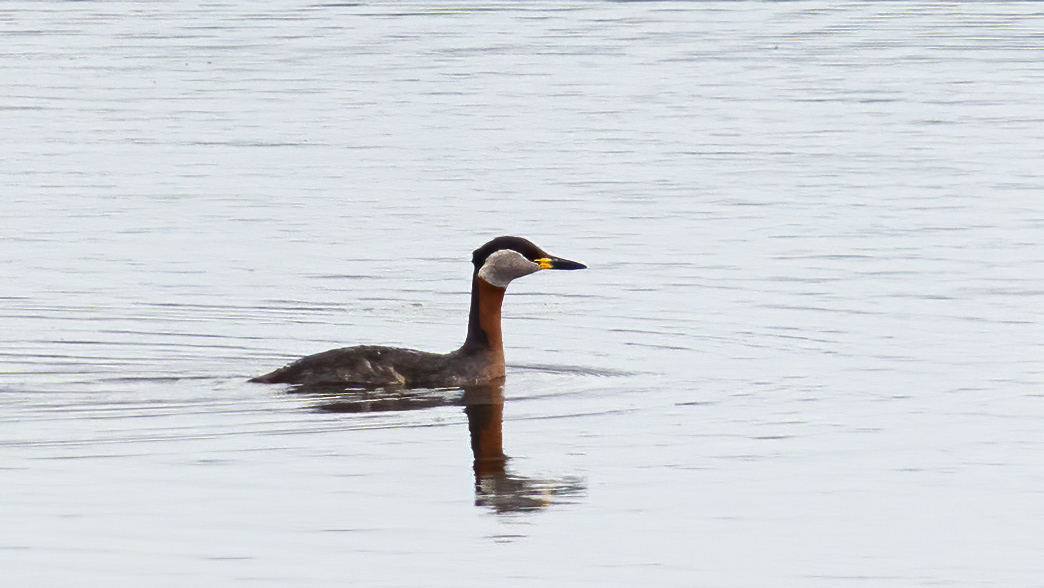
[807, 351]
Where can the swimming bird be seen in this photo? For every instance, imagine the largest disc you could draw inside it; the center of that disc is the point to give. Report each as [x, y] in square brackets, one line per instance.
[479, 361]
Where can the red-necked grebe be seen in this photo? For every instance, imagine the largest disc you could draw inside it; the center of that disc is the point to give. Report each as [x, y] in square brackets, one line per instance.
[479, 361]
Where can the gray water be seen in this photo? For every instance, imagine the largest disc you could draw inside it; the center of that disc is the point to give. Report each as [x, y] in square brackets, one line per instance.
[808, 350]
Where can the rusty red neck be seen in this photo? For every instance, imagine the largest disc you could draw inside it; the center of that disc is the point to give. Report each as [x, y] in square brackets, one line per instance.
[484, 321]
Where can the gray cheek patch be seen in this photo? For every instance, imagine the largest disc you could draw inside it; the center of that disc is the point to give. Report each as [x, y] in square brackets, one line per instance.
[505, 265]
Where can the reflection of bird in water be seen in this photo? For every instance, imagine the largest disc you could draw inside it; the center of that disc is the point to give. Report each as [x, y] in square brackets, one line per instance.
[479, 361]
[496, 486]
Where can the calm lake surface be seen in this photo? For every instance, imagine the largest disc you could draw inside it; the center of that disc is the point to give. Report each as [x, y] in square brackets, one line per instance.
[808, 350]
